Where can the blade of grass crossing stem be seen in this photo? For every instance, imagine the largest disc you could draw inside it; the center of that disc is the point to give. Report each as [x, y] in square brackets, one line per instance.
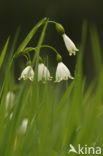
[15, 41]
[29, 37]
[36, 56]
[3, 53]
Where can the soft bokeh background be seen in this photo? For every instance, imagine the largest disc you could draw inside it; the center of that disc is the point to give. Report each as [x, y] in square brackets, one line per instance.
[70, 13]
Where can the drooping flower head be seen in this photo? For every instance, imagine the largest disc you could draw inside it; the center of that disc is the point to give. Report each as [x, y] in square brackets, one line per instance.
[68, 42]
[27, 73]
[62, 72]
[69, 45]
[43, 73]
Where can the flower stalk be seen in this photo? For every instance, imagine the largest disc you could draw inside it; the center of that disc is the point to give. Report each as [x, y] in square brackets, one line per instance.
[42, 72]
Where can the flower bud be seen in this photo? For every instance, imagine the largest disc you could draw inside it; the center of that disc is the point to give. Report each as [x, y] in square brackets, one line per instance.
[60, 29]
[59, 58]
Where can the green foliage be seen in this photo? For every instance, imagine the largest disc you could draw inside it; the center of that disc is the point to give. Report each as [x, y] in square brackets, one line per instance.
[29, 37]
[58, 114]
[3, 53]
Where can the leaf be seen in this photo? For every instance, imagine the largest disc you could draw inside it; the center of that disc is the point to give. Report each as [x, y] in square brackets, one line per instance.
[29, 37]
[96, 48]
[3, 53]
[64, 98]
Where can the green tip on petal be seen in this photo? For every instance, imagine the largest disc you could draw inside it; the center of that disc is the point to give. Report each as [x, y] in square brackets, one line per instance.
[70, 53]
[70, 76]
[76, 49]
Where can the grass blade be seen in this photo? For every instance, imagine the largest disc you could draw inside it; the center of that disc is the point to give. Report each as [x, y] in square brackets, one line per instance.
[29, 37]
[3, 53]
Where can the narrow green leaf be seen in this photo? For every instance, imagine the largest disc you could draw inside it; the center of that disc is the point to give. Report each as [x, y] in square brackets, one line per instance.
[96, 48]
[29, 37]
[3, 53]
[64, 98]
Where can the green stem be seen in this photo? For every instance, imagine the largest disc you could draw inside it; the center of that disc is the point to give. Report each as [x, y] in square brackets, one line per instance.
[29, 37]
[52, 22]
[29, 49]
[29, 59]
[37, 50]
[47, 46]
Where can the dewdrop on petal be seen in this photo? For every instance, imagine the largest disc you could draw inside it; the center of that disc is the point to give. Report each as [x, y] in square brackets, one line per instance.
[27, 73]
[43, 73]
[68, 42]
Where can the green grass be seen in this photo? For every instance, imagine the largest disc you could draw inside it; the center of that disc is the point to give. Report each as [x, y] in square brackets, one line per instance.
[58, 114]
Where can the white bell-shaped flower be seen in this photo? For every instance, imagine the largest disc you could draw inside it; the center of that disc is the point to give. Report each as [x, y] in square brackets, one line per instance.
[10, 99]
[62, 72]
[43, 73]
[23, 126]
[69, 45]
[27, 73]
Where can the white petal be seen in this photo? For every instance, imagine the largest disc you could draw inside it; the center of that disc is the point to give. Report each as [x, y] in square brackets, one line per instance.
[27, 73]
[69, 45]
[43, 73]
[62, 72]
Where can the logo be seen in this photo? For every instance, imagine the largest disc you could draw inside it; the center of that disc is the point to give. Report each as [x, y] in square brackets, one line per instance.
[84, 150]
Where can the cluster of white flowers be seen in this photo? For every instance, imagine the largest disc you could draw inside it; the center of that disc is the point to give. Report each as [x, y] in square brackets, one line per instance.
[43, 73]
[62, 73]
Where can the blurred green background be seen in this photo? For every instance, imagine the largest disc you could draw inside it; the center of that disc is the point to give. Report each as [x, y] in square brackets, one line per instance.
[70, 13]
